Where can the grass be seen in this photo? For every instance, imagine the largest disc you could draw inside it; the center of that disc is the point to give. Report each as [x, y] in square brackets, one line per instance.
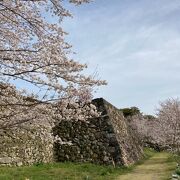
[176, 158]
[61, 171]
[69, 171]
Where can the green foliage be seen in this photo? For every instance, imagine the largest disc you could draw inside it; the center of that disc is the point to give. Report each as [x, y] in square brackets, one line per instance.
[178, 171]
[130, 111]
[149, 117]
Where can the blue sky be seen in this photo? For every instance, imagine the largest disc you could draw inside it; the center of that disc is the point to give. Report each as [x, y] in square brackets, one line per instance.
[133, 44]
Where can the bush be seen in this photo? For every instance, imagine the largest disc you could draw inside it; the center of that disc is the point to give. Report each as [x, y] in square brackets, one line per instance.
[178, 172]
[130, 111]
[149, 117]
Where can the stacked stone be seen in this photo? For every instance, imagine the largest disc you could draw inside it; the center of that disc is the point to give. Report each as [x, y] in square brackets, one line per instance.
[88, 141]
[25, 147]
[103, 140]
[106, 139]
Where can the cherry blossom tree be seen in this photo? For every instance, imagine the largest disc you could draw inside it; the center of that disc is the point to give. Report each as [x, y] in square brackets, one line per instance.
[33, 50]
[169, 122]
[149, 130]
[162, 131]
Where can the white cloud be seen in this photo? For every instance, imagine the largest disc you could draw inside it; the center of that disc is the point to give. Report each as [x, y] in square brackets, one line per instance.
[135, 45]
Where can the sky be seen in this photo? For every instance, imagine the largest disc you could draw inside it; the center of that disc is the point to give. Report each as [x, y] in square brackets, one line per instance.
[133, 44]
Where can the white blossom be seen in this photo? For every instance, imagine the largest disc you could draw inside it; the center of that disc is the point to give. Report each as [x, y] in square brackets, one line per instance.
[33, 51]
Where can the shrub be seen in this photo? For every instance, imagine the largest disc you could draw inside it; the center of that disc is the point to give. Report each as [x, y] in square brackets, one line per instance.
[149, 117]
[130, 111]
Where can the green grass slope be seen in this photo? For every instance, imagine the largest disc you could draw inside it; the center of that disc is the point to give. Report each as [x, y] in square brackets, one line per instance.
[152, 162]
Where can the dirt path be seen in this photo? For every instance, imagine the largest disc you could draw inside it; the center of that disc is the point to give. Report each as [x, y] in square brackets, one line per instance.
[155, 168]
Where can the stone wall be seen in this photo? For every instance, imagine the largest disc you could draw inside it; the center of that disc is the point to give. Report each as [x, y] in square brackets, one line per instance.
[103, 140]
[131, 150]
[25, 146]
